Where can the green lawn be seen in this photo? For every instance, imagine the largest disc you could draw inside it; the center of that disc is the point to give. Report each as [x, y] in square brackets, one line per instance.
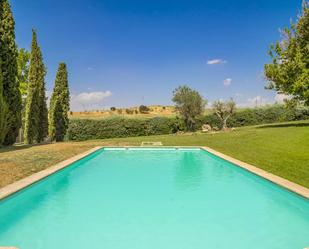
[282, 149]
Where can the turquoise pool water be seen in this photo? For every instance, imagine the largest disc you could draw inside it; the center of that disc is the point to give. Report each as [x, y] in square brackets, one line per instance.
[154, 199]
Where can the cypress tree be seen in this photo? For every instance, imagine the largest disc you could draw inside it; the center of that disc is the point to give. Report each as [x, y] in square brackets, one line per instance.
[59, 105]
[59, 122]
[8, 55]
[36, 110]
[3, 112]
[43, 111]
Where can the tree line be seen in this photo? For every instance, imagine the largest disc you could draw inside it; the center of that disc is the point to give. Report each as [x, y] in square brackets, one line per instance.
[23, 102]
[23, 96]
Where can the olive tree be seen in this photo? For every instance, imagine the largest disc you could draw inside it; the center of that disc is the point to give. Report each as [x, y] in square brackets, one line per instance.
[224, 110]
[189, 103]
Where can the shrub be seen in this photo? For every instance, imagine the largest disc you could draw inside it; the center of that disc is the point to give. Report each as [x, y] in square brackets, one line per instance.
[224, 110]
[84, 129]
[256, 116]
[143, 109]
[113, 108]
[190, 104]
[160, 125]
[129, 111]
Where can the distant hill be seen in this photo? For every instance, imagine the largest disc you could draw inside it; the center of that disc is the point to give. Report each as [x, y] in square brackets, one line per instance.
[131, 112]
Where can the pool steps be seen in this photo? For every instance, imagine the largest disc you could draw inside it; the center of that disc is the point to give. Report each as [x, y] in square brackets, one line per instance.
[152, 148]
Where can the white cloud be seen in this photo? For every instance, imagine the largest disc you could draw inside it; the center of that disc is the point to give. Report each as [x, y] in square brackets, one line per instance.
[279, 98]
[92, 97]
[216, 61]
[262, 101]
[227, 82]
[89, 100]
[48, 95]
[255, 101]
[258, 101]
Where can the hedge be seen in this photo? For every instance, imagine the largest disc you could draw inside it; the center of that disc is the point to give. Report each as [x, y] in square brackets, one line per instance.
[84, 129]
[256, 116]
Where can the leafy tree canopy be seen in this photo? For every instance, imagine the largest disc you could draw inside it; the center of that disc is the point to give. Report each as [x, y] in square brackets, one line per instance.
[23, 62]
[143, 109]
[59, 105]
[189, 103]
[3, 112]
[8, 57]
[288, 73]
[224, 110]
[36, 115]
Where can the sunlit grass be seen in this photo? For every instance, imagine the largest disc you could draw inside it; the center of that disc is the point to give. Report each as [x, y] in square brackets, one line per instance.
[282, 149]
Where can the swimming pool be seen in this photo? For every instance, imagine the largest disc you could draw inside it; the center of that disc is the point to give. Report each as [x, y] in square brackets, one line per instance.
[154, 198]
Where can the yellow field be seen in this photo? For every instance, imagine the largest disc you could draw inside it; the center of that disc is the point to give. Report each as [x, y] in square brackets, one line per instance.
[132, 112]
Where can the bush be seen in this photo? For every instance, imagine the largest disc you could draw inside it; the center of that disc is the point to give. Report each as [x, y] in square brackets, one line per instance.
[256, 116]
[84, 129]
[143, 109]
[129, 111]
[113, 108]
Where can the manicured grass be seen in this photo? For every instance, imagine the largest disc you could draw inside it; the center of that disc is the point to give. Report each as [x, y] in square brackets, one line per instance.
[282, 149]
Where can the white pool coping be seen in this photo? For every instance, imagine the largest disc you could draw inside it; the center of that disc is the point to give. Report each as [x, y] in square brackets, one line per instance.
[27, 181]
[23, 183]
[294, 187]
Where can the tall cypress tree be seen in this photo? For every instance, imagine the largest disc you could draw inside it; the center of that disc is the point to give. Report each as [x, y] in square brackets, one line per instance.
[8, 55]
[59, 122]
[59, 105]
[43, 111]
[3, 112]
[36, 110]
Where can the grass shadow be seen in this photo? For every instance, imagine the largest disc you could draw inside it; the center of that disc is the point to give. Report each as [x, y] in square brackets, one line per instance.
[284, 125]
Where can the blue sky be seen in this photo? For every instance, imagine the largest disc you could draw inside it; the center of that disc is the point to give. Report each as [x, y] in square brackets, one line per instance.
[132, 52]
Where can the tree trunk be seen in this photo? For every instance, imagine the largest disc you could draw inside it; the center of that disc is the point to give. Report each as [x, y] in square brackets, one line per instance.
[224, 125]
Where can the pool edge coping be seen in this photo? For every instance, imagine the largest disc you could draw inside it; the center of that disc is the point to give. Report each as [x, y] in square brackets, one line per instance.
[291, 186]
[38, 176]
